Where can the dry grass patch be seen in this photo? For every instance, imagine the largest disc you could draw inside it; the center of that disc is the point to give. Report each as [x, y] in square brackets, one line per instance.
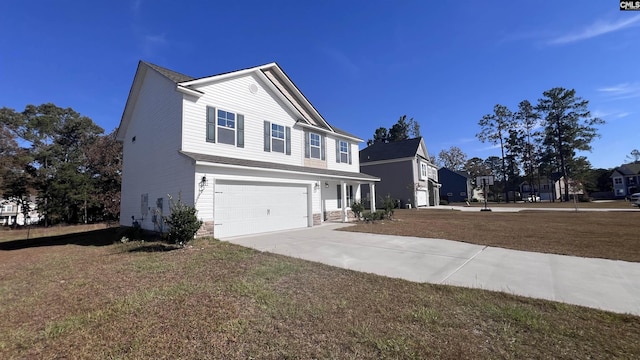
[609, 235]
[216, 300]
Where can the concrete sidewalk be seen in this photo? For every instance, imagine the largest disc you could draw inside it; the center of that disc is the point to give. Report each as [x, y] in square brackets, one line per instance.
[597, 283]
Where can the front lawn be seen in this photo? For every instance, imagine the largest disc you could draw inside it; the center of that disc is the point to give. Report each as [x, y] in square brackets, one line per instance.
[216, 300]
[609, 235]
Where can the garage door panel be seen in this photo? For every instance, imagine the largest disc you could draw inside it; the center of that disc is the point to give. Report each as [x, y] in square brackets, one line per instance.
[246, 208]
[422, 197]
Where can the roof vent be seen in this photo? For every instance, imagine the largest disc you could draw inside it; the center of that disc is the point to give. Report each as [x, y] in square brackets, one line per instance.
[253, 88]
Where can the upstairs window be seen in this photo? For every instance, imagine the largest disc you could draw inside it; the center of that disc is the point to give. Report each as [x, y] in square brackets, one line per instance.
[343, 152]
[277, 138]
[617, 181]
[314, 146]
[226, 127]
[424, 171]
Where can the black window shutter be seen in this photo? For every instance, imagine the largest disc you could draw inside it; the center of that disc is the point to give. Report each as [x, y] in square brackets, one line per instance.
[267, 136]
[240, 131]
[349, 152]
[337, 151]
[287, 137]
[307, 150]
[211, 124]
[322, 147]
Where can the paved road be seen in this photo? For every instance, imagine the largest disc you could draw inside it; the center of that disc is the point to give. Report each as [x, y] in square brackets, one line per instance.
[597, 283]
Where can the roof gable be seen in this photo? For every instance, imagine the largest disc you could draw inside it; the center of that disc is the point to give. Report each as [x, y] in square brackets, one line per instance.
[272, 75]
[393, 150]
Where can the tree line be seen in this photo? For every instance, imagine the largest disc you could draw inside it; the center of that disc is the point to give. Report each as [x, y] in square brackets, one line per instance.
[535, 140]
[63, 160]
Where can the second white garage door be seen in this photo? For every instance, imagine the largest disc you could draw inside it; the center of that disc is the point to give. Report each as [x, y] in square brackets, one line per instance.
[242, 208]
[422, 198]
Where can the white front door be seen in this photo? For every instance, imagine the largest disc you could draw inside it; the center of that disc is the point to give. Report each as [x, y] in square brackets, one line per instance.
[242, 208]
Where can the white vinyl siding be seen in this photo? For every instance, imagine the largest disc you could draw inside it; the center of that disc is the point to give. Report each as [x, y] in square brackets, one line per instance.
[152, 163]
[234, 95]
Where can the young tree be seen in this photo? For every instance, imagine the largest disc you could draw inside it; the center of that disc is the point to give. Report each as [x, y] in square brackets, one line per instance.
[494, 128]
[453, 159]
[568, 127]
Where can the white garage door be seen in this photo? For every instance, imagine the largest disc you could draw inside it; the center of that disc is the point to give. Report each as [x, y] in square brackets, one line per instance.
[422, 197]
[247, 208]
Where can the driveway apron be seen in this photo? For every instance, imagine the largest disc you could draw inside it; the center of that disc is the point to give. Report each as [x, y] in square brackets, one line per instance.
[597, 283]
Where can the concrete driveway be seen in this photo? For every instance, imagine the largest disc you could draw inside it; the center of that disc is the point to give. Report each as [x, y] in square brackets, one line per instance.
[597, 283]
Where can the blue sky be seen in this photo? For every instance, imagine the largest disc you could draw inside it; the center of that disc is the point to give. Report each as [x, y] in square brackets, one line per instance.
[362, 64]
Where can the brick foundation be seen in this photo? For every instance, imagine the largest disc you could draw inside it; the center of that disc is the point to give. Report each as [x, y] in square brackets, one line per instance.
[336, 215]
[317, 219]
[205, 230]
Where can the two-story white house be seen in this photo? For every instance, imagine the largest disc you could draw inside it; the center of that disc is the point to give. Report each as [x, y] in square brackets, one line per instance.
[246, 148]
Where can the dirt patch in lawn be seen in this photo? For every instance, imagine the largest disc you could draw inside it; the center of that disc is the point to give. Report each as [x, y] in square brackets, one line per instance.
[608, 235]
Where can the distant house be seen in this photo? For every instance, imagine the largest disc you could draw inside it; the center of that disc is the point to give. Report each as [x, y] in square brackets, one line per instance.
[542, 187]
[11, 213]
[550, 189]
[405, 172]
[456, 185]
[246, 148]
[626, 179]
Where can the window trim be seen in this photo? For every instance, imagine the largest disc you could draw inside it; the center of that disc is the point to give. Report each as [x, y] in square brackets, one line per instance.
[617, 181]
[424, 171]
[274, 138]
[312, 146]
[339, 151]
[234, 128]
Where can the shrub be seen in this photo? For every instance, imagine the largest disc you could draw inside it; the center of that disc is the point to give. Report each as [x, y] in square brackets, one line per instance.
[357, 207]
[444, 202]
[474, 200]
[374, 216]
[388, 204]
[183, 222]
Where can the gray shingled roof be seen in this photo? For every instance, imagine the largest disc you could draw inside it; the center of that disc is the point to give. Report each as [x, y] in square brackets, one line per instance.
[630, 169]
[276, 166]
[172, 75]
[387, 151]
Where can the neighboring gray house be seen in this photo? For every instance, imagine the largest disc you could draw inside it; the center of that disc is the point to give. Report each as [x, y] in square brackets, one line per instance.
[456, 185]
[625, 179]
[405, 172]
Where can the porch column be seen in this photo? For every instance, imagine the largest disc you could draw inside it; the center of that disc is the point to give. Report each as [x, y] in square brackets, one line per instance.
[343, 194]
[372, 195]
